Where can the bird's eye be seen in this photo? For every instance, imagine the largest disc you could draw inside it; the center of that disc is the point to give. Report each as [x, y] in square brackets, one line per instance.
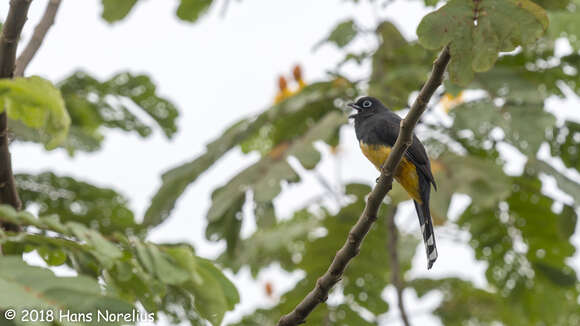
[367, 104]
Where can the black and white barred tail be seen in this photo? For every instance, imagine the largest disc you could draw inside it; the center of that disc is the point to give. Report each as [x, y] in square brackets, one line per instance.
[428, 233]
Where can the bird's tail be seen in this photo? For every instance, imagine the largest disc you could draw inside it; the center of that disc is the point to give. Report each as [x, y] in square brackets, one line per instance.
[427, 229]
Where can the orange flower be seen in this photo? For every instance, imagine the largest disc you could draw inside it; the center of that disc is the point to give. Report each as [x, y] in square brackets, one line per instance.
[449, 101]
[297, 73]
[283, 91]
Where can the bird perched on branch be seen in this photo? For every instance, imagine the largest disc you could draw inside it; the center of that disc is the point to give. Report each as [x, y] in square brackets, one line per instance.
[377, 129]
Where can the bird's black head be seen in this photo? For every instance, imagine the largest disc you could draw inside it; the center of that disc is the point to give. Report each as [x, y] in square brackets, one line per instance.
[366, 106]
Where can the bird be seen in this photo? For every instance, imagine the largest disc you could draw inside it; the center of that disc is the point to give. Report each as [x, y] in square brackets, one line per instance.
[377, 129]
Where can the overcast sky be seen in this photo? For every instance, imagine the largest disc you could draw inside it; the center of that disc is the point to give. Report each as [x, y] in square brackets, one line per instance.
[217, 71]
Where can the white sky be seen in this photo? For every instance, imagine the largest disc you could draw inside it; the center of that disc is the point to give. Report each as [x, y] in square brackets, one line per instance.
[217, 71]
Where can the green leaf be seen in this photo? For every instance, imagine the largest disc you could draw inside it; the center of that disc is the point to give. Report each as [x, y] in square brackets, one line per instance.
[524, 126]
[481, 179]
[278, 125]
[214, 293]
[94, 105]
[553, 4]
[399, 67]
[475, 42]
[264, 179]
[104, 250]
[27, 287]
[565, 23]
[38, 104]
[478, 307]
[115, 10]
[361, 284]
[567, 185]
[277, 243]
[176, 180]
[342, 34]
[191, 10]
[162, 278]
[565, 144]
[72, 200]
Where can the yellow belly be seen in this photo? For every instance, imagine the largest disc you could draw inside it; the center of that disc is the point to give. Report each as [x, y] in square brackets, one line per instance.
[406, 174]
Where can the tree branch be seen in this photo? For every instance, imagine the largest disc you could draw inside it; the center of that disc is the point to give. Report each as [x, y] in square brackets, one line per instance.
[8, 43]
[385, 182]
[37, 38]
[395, 267]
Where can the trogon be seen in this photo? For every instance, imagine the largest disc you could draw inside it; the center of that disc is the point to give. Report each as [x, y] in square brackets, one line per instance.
[377, 129]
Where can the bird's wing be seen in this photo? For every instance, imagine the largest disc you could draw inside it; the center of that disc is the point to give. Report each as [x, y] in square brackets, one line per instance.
[387, 129]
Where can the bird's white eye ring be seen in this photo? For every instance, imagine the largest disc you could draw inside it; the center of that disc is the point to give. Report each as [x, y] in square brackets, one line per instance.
[367, 104]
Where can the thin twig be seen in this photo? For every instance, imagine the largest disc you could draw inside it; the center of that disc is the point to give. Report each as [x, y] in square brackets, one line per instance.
[8, 42]
[385, 182]
[395, 266]
[37, 38]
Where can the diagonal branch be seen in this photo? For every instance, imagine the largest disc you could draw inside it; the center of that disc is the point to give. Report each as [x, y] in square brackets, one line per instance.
[395, 266]
[37, 38]
[385, 182]
[8, 43]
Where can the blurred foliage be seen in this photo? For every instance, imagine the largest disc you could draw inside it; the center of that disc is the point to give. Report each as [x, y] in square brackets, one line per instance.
[163, 278]
[114, 104]
[28, 287]
[288, 125]
[476, 31]
[342, 34]
[306, 249]
[494, 100]
[77, 201]
[188, 10]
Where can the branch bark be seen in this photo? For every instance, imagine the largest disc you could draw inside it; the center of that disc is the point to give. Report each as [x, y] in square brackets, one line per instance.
[37, 38]
[8, 44]
[384, 184]
[395, 266]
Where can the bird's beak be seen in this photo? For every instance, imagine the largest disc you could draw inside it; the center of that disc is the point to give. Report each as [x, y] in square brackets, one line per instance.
[354, 106]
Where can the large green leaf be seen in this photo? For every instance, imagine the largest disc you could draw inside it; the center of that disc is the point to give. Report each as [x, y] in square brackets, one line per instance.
[38, 104]
[72, 200]
[477, 31]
